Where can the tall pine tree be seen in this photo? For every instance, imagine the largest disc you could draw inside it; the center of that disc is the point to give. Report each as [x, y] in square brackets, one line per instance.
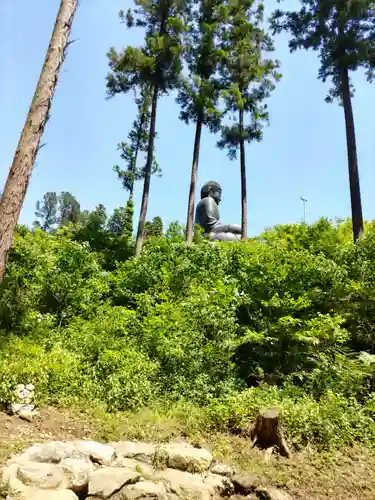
[154, 227]
[46, 212]
[199, 93]
[118, 222]
[29, 143]
[343, 32]
[156, 64]
[247, 79]
[69, 208]
[138, 143]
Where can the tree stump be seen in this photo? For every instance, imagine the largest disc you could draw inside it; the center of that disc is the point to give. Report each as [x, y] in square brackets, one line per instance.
[267, 433]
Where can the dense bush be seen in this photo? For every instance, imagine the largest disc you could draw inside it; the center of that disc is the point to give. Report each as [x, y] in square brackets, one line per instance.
[280, 319]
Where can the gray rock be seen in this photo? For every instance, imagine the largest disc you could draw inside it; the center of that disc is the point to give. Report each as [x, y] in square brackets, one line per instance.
[8, 472]
[221, 485]
[30, 387]
[27, 415]
[108, 480]
[23, 395]
[124, 471]
[100, 453]
[269, 493]
[36, 494]
[245, 483]
[10, 480]
[142, 490]
[16, 407]
[40, 475]
[186, 485]
[366, 357]
[252, 496]
[51, 452]
[144, 452]
[222, 470]
[29, 398]
[184, 457]
[15, 486]
[133, 465]
[77, 472]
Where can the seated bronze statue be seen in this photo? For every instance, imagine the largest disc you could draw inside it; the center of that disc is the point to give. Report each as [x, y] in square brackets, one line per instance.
[208, 217]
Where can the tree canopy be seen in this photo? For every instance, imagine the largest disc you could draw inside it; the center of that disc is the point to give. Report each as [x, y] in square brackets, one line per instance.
[341, 31]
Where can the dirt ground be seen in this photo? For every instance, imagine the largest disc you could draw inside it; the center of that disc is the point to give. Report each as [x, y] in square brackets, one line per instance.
[50, 424]
[345, 475]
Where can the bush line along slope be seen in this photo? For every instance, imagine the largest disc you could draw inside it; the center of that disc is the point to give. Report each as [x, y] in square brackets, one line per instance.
[219, 331]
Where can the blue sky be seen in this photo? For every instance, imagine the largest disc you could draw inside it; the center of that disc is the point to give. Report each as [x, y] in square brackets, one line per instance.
[303, 151]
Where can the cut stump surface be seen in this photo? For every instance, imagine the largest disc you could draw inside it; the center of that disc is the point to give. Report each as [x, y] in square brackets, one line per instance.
[267, 432]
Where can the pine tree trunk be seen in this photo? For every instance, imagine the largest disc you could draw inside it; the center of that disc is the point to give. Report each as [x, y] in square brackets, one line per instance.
[193, 183]
[243, 179]
[28, 146]
[148, 169]
[355, 190]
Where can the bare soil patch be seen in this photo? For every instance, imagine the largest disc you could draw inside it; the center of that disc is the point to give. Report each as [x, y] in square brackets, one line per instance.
[16, 434]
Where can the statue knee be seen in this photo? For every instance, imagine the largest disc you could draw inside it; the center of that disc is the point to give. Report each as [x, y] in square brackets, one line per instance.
[224, 237]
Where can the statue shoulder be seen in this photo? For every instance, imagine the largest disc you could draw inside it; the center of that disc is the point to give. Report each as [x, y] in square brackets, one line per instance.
[206, 202]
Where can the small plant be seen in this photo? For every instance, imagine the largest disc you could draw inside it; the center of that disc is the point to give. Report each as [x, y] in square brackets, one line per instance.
[161, 457]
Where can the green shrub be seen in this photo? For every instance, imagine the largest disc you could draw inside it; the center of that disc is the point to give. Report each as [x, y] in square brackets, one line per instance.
[329, 422]
[56, 372]
[50, 274]
[194, 340]
[278, 320]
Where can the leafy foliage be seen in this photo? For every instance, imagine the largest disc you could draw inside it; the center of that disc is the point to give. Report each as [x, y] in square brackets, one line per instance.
[199, 93]
[246, 76]
[158, 62]
[154, 228]
[46, 211]
[343, 33]
[279, 320]
[138, 143]
[155, 67]
[55, 211]
[247, 79]
[70, 210]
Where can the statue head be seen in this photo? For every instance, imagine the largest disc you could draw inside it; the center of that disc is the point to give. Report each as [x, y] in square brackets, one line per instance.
[212, 189]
